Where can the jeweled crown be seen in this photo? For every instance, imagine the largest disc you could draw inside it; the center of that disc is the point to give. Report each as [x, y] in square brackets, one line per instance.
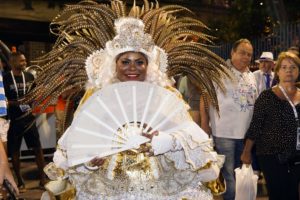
[131, 35]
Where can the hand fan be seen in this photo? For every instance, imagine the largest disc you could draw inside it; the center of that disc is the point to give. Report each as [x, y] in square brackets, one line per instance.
[113, 118]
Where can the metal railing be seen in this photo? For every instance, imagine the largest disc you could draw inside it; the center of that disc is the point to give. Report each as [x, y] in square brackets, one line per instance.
[283, 37]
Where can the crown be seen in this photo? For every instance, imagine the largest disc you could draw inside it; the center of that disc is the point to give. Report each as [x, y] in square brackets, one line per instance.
[131, 36]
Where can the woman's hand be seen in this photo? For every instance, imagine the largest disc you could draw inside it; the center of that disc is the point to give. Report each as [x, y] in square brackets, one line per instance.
[246, 154]
[246, 157]
[97, 161]
[5, 173]
[150, 136]
[147, 148]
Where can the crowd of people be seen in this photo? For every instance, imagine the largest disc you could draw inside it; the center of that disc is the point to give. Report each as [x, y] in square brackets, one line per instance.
[271, 137]
[268, 133]
[237, 116]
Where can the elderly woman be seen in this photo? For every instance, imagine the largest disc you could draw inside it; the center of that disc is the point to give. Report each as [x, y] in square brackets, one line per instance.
[275, 131]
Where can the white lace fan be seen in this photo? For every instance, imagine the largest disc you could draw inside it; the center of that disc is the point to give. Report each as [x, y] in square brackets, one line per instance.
[113, 119]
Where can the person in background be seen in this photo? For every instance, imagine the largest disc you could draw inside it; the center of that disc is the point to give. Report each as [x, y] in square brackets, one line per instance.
[183, 87]
[194, 101]
[294, 50]
[4, 123]
[3, 110]
[1, 65]
[264, 76]
[229, 125]
[5, 172]
[17, 83]
[191, 95]
[255, 66]
[4, 56]
[275, 131]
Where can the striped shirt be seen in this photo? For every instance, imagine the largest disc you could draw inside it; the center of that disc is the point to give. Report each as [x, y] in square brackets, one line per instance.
[3, 106]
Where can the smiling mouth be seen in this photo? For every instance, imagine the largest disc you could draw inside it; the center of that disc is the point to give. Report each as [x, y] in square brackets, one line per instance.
[132, 76]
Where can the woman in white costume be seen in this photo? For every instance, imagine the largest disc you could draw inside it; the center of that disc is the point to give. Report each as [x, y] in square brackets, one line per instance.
[169, 166]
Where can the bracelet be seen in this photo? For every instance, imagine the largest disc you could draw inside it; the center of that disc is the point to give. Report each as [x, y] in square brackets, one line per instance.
[89, 167]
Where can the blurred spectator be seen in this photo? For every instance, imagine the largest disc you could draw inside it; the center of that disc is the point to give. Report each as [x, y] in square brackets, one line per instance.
[4, 56]
[275, 131]
[229, 125]
[294, 49]
[183, 88]
[264, 76]
[194, 101]
[1, 65]
[17, 83]
[4, 123]
[191, 95]
[5, 172]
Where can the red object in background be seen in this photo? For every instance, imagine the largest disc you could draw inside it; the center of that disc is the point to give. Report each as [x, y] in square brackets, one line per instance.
[60, 105]
[13, 49]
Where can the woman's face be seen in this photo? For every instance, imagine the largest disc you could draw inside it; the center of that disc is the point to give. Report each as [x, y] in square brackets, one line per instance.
[288, 71]
[131, 66]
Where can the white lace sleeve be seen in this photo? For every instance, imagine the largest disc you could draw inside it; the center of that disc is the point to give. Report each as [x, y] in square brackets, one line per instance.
[196, 146]
[60, 155]
[164, 142]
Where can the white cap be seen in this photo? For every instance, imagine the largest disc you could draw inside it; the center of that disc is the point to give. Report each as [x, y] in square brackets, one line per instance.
[266, 56]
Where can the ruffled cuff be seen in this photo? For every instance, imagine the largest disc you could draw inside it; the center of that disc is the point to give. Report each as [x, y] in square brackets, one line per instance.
[60, 155]
[197, 149]
[60, 159]
[163, 143]
[209, 174]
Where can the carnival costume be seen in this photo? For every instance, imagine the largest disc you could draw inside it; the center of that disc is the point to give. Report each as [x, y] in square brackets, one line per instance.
[91, 36]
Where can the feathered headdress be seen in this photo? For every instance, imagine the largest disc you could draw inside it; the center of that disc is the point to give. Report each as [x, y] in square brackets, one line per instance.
[130, 36]
[91, 34]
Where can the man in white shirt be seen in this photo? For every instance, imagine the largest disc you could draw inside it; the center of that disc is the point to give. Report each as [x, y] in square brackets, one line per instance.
[264, 76]
[228, 126]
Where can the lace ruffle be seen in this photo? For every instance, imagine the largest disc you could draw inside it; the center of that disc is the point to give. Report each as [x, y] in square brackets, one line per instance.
[172, 185]
[195, 194]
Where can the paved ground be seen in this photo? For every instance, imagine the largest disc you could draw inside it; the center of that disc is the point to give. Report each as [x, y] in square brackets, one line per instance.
[30, 175]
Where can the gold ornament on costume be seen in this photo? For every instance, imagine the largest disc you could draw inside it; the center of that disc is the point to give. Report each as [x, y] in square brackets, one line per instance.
[60, 190]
